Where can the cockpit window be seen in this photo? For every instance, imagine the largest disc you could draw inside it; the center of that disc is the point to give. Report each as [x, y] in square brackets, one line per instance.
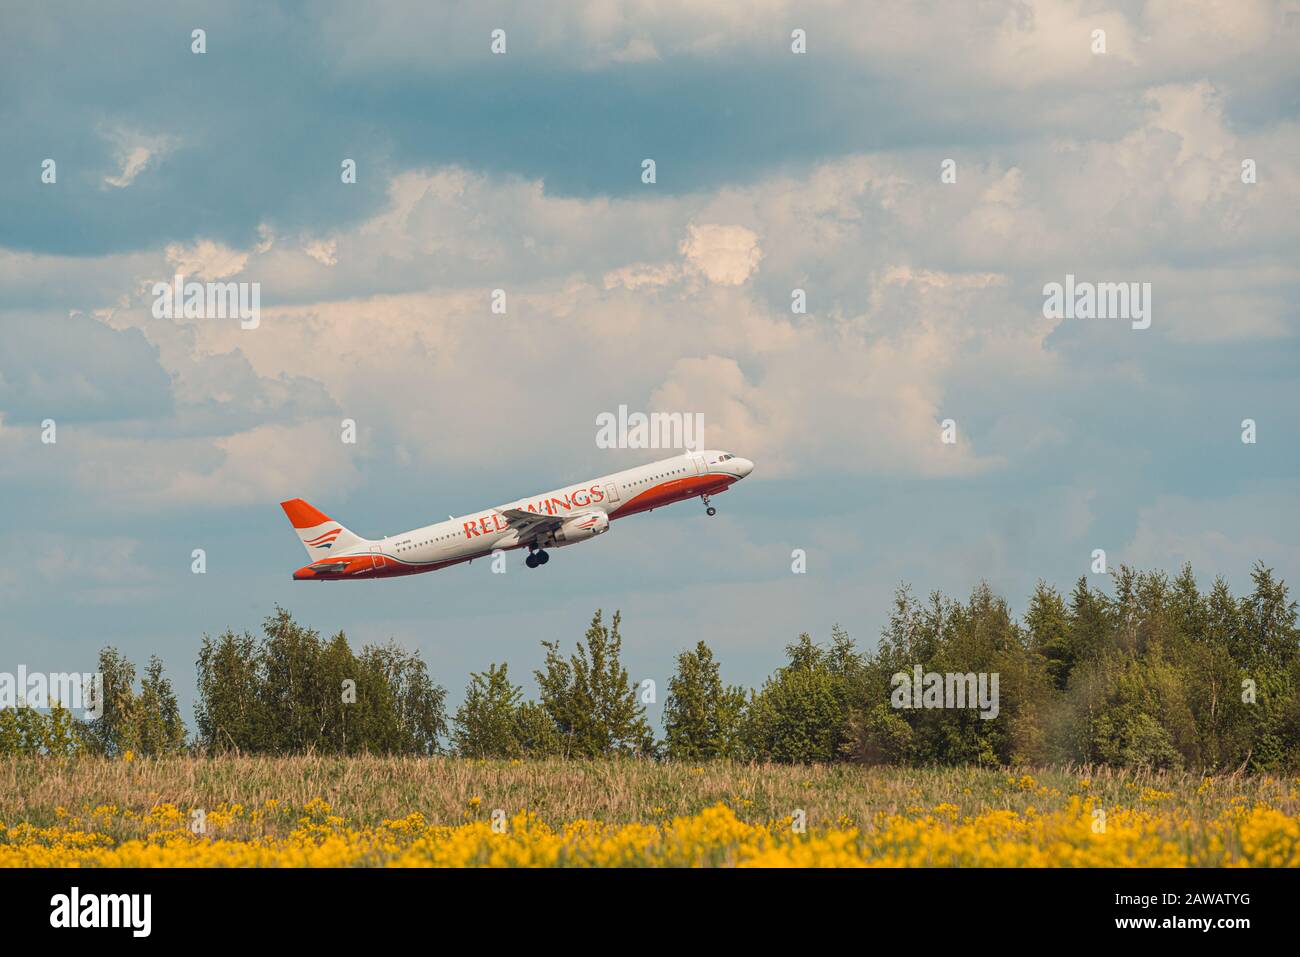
[725, 456]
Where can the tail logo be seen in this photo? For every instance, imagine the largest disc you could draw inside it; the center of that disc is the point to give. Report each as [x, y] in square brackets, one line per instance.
[322, 541]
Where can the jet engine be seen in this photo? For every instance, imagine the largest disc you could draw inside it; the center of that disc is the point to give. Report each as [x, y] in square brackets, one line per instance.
[578, 528]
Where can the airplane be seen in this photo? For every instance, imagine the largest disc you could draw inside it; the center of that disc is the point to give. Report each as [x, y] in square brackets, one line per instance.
[566, 516]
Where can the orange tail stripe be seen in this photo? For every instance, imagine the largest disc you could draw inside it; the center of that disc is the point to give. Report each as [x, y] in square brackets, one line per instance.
[302, 515]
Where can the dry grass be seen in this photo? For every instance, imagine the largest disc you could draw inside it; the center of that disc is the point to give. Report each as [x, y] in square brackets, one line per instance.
[368, 790]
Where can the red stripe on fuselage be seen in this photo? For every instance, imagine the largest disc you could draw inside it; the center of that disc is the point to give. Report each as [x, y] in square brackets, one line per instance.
[677, 490]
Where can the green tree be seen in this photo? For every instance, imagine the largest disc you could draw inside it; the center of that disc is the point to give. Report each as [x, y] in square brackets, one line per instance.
[1092, 626]
[10, 735]
[1049, 631]
[1269, 621]
[291, 692]
[340, 698]
[116, 730]
[701, 716]
[1144, 720]
[229, 711]
[25, 730]
[879, 736]
[22, 731]
[802, 713]
[536, 733]
[291, 689]
[62, 736]
[159, 727]
[413, 717]
[589, 697]
[484, 725]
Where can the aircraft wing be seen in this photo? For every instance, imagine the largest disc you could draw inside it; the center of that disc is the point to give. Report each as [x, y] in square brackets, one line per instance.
[529, 525]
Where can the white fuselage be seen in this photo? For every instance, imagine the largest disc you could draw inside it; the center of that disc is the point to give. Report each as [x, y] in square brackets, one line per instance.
[463, 538]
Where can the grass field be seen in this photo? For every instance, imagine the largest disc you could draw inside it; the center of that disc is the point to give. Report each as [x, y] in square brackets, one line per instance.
[310, 811]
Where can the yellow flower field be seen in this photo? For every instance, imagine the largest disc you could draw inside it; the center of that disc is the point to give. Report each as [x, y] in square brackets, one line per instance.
[989, 819]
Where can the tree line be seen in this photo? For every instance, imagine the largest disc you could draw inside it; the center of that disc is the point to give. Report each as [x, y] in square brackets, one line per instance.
[1155, 674]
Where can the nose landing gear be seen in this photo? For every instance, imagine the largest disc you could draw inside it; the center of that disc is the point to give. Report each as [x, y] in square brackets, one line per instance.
[708, 509]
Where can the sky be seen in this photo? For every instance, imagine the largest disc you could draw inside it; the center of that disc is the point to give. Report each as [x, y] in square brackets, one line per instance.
[922, 171]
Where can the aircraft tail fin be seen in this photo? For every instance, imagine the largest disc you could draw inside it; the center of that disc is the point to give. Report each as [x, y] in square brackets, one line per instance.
[319, 534]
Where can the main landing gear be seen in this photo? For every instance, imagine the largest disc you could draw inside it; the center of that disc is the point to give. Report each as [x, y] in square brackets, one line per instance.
[708, 509]
[536, 556]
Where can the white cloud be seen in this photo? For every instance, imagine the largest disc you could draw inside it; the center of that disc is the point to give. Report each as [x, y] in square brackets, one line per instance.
[638, 275]
[724, 254]
[1043, 47]
[636, 50]
[1220, 536]
[263, 464]
[681, 302]
[135, 152]
[323, 251]
[1045, 40]
[84, 570]
[206, 259]
[132, 165]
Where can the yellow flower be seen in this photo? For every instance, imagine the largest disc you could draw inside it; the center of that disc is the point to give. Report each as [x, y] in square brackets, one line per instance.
[1246, 823]
[317, 807]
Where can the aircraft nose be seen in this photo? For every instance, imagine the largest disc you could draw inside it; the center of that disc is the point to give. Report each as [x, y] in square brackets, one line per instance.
[744, 466]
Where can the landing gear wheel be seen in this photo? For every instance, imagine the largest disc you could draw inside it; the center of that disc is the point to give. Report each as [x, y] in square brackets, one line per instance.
[542, 558]
[710, 511]
[531, 561]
